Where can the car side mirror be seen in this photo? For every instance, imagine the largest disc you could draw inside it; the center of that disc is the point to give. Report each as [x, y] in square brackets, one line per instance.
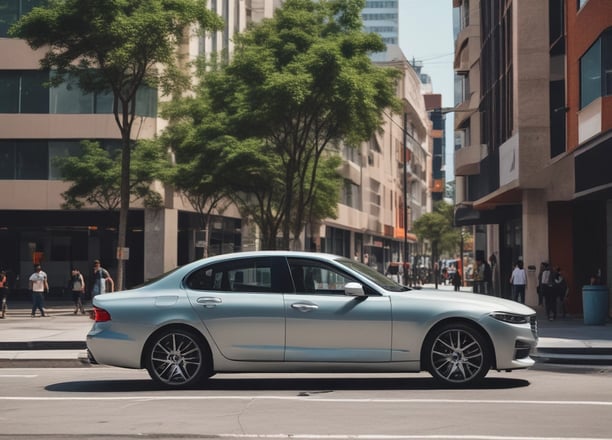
[354, 289]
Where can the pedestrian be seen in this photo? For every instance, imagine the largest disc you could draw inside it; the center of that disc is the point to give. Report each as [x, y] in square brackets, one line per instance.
[457, 280]
[77, 287]
[549, 293]
[561, 290]
[518, 279]
[102, 281]
[539, 286]
[38, 286]
[4, 291]
[485, 276]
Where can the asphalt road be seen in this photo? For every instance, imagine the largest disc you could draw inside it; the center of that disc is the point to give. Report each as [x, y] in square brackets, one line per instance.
[105, 402]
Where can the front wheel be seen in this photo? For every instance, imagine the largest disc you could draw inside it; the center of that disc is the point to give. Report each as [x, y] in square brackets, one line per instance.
[176, 358]
[457, 354]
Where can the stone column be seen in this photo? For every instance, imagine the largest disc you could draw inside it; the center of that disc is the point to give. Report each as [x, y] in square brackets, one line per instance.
[535, 239]
[160, 241]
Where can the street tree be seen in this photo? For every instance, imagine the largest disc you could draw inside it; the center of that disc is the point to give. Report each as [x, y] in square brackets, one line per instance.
[116, 47]
[95, 176]
[303, 82]
[437, 228]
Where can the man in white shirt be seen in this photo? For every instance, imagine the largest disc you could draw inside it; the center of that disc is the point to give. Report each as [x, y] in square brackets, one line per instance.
[518, 279]
[38, 286]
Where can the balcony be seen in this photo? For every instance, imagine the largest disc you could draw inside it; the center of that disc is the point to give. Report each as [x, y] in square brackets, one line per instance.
[465, 41]
[467, 159]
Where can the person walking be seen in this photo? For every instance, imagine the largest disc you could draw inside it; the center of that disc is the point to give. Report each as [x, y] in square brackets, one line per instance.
[38, 286]
[549, 293]
[101, 278]
[561, 290]
[518, 279]
[456, 280]
[4, 291]
[77, 287]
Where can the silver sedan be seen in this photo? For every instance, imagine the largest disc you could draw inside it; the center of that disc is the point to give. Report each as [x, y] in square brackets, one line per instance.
[281, 311]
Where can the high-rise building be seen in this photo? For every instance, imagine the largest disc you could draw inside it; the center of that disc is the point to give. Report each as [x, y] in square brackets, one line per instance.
[381, 17]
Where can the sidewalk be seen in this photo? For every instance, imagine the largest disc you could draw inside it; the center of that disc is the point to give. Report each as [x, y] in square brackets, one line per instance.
[59, 339]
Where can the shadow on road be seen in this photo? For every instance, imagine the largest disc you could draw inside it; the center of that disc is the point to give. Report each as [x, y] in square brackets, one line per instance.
[301, 386]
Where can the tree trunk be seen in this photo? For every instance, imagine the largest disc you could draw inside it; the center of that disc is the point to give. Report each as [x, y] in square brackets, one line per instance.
[124, 207]
[125, 126]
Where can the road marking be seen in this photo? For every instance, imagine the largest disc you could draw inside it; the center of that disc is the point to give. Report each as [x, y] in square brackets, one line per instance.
[312, 399]
[19, 375]
[396, 437]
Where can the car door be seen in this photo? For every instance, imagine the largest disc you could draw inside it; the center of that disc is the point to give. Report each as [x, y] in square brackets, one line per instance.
[325, 325]
[241, 304]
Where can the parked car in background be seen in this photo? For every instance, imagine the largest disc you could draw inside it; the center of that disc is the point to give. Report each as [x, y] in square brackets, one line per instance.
[280, 311]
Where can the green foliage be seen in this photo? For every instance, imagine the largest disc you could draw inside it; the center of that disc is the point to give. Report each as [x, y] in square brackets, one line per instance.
[298, 84]
[95, 175]
[437, 227]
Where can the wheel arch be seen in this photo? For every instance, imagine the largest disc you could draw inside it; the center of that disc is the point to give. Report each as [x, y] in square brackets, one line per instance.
[178, 326]
[424, 359]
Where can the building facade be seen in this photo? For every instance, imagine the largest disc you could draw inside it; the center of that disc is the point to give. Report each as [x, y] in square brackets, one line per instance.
[38, 124]
[387, 180]
[533, 126]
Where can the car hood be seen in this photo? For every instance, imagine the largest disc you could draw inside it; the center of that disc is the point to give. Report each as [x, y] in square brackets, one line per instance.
[472, 300]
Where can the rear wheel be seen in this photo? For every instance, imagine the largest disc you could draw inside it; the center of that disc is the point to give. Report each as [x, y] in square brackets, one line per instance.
[457, 354]
[177, 358]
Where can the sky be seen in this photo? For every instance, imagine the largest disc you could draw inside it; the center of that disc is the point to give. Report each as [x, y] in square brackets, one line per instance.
[426, 34]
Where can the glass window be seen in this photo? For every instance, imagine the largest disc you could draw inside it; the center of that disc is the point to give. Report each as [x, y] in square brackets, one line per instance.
[67, 98]
[146, 101]
[7, 159]
[590, 75]
[12, 10]
[314, 277]
[243, 275]
[9, 91]
[9, 13]
[61, 149]
[104, 103]
[32, 160]
[34, 95]
[607, 62]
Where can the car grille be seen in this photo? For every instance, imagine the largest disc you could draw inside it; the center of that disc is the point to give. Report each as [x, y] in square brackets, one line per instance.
[533, 322]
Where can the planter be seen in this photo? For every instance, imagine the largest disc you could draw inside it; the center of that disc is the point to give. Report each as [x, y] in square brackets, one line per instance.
[595, 304]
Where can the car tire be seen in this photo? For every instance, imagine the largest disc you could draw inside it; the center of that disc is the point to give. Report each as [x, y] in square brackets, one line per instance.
[177, 358]
[457, 354]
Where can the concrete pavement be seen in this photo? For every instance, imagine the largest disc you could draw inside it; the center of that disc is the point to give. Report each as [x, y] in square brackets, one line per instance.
[59, 339]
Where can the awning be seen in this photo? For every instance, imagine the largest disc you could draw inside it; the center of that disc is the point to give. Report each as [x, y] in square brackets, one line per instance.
[467, 215]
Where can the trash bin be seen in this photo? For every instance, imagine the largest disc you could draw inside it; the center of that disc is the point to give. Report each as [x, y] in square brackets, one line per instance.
[595, 304]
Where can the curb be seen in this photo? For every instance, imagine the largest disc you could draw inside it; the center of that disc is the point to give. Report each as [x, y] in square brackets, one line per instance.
[42, 345]
[43, 359]
[576, 356]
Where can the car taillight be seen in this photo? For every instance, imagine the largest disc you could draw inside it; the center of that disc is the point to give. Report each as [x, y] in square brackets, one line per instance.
[100, 315]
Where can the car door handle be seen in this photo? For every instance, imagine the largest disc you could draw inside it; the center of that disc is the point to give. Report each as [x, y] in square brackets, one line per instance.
[304, 307]
[209, 301]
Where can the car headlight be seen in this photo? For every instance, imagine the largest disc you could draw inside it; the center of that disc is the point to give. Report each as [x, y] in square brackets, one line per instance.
[510, 318]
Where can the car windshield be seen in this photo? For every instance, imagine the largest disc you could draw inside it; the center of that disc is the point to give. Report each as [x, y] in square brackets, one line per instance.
[373, 275]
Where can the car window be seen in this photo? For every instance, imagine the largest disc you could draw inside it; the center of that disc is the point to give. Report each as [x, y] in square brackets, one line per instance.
[316, 277]
[243, 275]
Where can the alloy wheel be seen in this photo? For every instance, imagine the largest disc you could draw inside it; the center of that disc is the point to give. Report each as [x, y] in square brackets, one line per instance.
[458, 355]
[176, 359]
